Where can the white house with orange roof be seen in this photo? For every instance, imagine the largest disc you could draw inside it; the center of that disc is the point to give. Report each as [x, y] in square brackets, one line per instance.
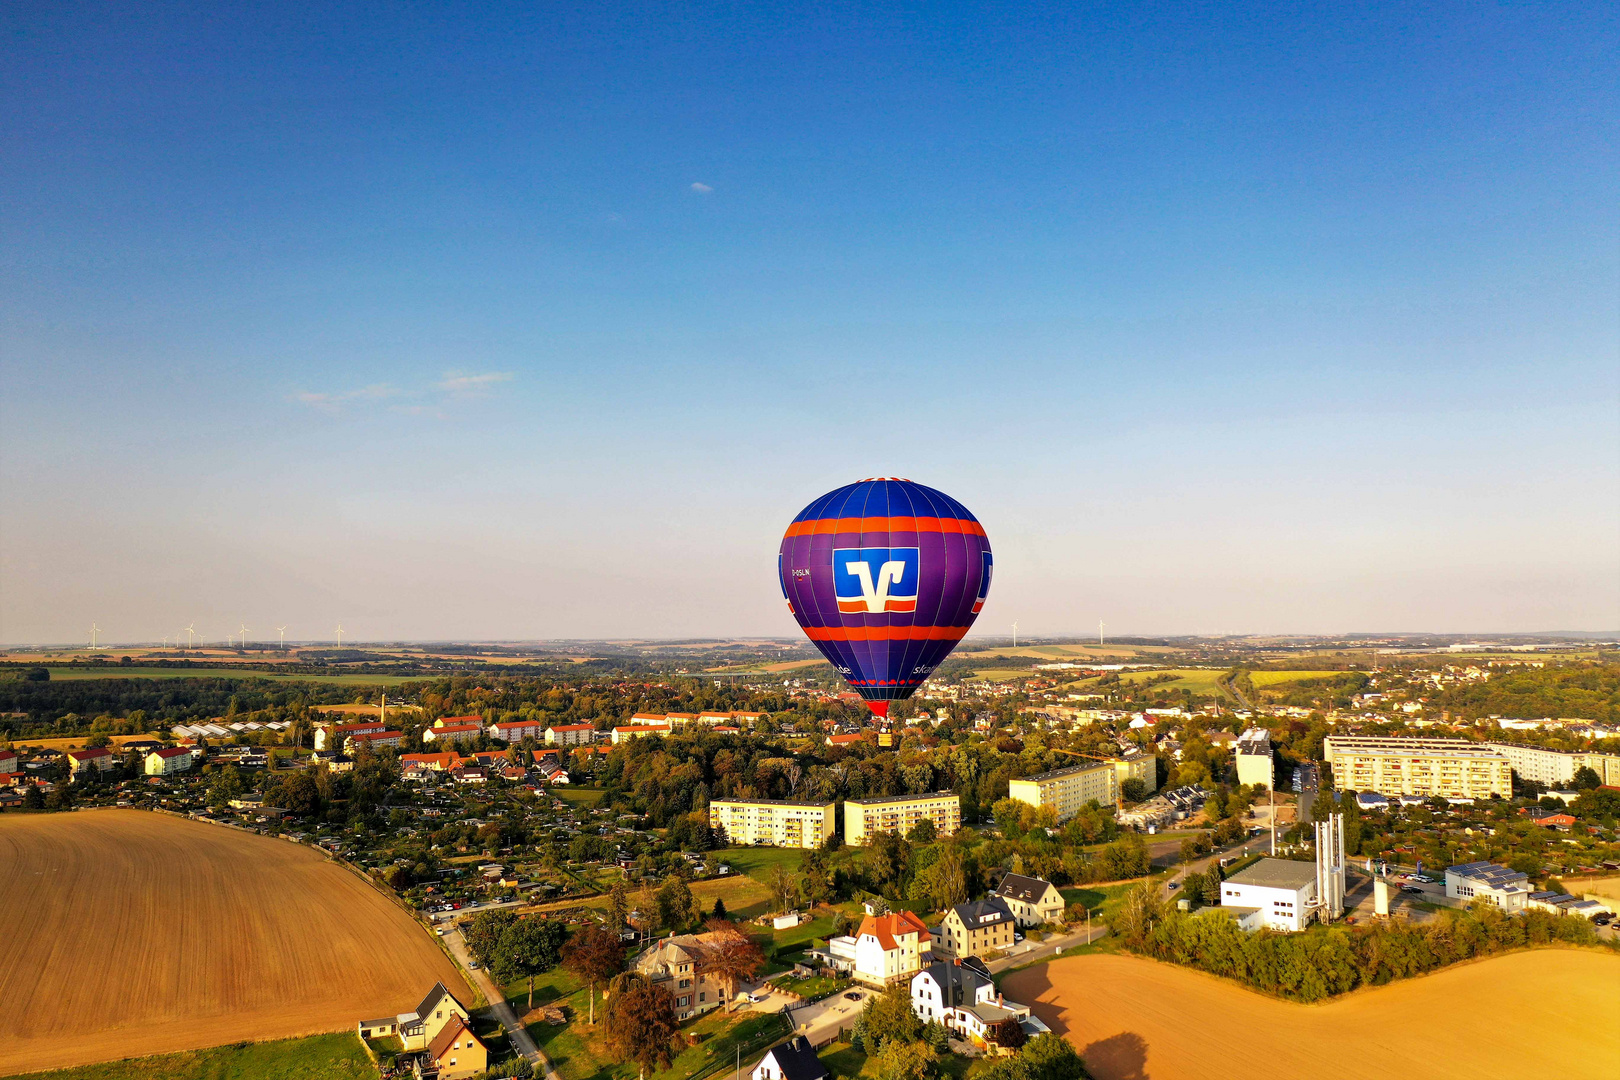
[890, 947]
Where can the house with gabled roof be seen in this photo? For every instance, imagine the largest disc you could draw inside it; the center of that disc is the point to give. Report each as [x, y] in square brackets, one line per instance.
[976, 928]
[455, 1052]
[91, 758]
[1031, 900]
[418, 1028]
[890, 946]
[793, 1060]
[961, 996]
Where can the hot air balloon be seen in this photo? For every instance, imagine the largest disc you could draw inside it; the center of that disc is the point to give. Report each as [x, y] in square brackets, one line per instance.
[885, 576]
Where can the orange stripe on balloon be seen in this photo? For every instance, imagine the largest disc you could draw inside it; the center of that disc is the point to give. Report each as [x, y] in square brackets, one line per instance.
[885, 633]
[822, 526]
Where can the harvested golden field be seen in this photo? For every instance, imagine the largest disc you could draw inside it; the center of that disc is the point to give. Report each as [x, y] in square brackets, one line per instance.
[1548, 1012]
[129, 933]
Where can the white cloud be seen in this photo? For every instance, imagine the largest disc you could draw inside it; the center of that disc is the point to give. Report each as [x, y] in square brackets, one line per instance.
[454, 382]
[333, 402]
[702, 189]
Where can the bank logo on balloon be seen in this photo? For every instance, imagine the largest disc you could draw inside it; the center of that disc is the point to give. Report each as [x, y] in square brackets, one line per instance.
[984, 582]
[875, 580]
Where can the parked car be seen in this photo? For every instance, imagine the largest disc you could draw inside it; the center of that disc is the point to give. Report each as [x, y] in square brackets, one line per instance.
[853, 995]
[1174, 885]
[1412, 889]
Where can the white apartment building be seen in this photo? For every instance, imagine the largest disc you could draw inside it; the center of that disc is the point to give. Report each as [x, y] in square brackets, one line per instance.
[773, 822]
[1557, 768]
[1273, 893]
[1253, 757]
[1449, 768]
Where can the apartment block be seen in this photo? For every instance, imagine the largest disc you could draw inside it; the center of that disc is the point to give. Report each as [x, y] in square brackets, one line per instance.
[1449, 768]
[774, 823]
[898, 813]
[1253, 757]
[1068, 790]
[1556, 768]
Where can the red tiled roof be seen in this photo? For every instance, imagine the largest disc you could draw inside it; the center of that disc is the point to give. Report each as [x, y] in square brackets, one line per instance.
[887, 927]
[573, 727]
[447, 1037]
[446, 721]
[171, 752]
[88, 752]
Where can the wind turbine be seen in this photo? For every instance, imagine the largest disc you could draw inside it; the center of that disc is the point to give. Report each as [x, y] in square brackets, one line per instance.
[190, 633]
[94, 630]
[1100, 625]
[1015, 635]
[340, 635]
[243, 632]
[282, 630]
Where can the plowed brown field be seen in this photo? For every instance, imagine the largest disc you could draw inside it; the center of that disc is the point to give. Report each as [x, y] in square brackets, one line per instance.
[125, 933]
[1549, 1012]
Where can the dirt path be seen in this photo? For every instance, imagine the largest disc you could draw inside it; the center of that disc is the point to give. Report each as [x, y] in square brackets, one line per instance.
[1548, 1012]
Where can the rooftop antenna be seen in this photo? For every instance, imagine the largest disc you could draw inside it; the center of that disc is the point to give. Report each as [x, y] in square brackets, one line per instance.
[339, 633]
[1015, 635]
[282, 631]
[94, 630]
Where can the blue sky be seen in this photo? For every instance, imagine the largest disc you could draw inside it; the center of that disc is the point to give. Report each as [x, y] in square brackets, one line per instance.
[451, 322]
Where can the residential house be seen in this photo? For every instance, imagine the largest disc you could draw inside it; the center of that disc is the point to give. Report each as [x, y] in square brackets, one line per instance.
[847, 739]
[8, 763]
[793, 1060]
[976, 928]
[961, 996]
[436, 762]
[418, 1028]
[90, 759]
[890, 946]
[166, 762]
[1031, 900]
[456, 1052]
[676, 963]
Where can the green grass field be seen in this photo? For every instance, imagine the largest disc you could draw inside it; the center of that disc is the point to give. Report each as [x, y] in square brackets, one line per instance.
[759, 862]
[589, 798]
[320, 1057]
[75, 674]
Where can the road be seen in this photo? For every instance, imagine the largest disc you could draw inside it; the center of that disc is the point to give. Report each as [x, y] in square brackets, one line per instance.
[1254, 844]
[521, 1040]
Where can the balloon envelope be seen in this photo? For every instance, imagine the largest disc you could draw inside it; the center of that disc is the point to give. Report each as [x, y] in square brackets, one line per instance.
[885, 576]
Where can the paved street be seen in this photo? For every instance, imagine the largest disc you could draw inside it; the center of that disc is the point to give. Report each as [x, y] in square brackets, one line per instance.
[497, 1003]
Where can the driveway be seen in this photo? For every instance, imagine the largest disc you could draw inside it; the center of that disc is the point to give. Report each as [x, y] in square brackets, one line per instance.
[1030, 952]
[498, 1005]
[823, 1019]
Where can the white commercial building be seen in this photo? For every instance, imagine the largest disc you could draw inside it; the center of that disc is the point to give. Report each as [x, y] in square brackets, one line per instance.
[1273, 893]
[1506, 888]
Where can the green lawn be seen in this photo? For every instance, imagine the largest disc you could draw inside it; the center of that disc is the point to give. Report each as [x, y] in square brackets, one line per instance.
[320, 1057]
[813, 987]
[575, 1050]
[111, 671]
[589, 798]
[1107, 898]
[759, 862]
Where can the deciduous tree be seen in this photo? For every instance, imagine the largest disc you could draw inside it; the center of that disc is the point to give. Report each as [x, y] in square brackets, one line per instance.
[641, 1023]
[595, 955]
